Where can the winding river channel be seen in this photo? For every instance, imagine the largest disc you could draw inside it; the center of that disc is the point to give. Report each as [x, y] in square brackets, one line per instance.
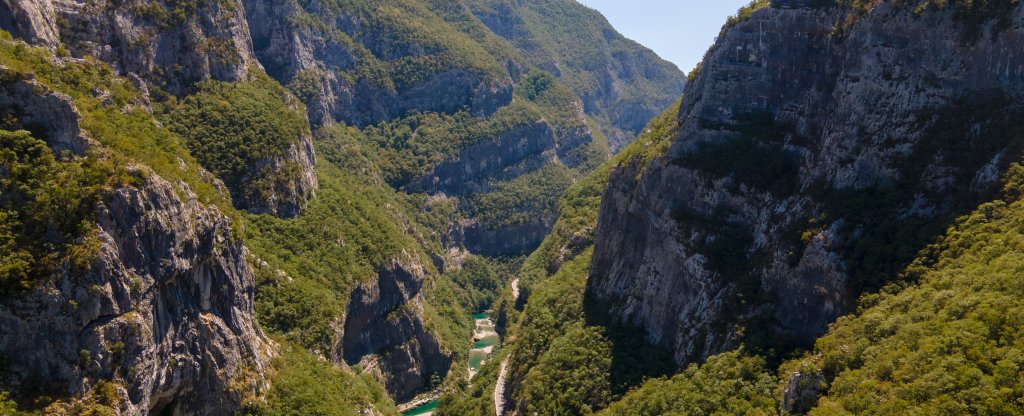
[485, 339]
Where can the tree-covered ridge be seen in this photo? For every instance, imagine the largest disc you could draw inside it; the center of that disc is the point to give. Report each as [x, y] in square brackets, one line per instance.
[45, 208]
[48, 200]
[547, 333]
[727, 384]
[622, 84]
[238, 130]
[951, 342]
[306, 385]
[399, 44]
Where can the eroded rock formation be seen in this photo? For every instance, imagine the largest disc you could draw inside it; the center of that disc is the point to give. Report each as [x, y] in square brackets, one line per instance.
[813, 161]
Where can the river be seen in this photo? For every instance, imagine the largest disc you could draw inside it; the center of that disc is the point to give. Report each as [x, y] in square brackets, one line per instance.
[485, 338]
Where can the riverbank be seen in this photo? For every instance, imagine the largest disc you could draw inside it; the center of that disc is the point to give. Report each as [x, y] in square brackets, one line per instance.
[421, 406]
[485, 339]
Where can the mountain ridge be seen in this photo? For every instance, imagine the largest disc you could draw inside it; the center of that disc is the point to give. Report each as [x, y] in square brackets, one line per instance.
[344, 252]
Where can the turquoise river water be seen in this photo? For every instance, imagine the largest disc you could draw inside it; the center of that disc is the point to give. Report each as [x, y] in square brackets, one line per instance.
[484, 340]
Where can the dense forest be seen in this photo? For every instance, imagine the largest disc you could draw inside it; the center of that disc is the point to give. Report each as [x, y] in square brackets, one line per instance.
[491, 207]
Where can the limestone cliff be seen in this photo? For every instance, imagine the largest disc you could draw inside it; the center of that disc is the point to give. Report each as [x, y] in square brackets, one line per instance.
[164, 313]
[160, 318]
[171, 44]
[819, 149]
[167, 47]
[341, 59]
[384, 330]
[294, 181]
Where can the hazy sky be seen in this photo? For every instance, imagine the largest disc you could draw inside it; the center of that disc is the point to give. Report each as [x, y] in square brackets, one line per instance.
[678, 30]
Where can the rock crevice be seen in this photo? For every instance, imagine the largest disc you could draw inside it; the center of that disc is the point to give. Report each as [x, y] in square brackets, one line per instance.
[767, 217]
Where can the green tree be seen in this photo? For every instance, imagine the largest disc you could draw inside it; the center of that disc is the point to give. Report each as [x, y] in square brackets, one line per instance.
[727, 384]
[233, 129]
[572, 377]
[45, 207]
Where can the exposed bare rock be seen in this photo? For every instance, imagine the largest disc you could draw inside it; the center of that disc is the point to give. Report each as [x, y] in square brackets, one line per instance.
[384, 330]
[165, 312]
[293, 177]
[315, 56]
[171, 44]
[48, 115]
[802, 391]
[798, 139]
[499, 156]
[30, 20]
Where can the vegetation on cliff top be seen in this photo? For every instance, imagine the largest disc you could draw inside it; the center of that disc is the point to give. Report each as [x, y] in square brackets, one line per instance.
[383, 55]
[554, 279]
[236, 129]
[728, 384]
[305, 385]
[46, 205]
[950, 343]
[578, 46]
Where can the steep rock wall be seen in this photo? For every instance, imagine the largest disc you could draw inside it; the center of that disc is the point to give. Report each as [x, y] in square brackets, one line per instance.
[316, 55]
[293, 177]
[165, 312]
[384, 330]
[168, 47]
[815, 155]
[171, 44]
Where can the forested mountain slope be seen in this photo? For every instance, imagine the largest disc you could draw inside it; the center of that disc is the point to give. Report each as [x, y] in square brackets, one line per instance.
[856, 161]
[820, 148]
[455, 108]
[622, 84]
[176, 171]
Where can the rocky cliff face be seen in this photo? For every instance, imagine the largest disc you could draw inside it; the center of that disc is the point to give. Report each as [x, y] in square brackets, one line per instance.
[495, 157]
[168, 47]
[326, 60]
[164, 314]
[621, 83]
[47, 114]
[384, 331]
[171, 44]
[282, 184]
[160, 320]
[30, 21]
[819, 149]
